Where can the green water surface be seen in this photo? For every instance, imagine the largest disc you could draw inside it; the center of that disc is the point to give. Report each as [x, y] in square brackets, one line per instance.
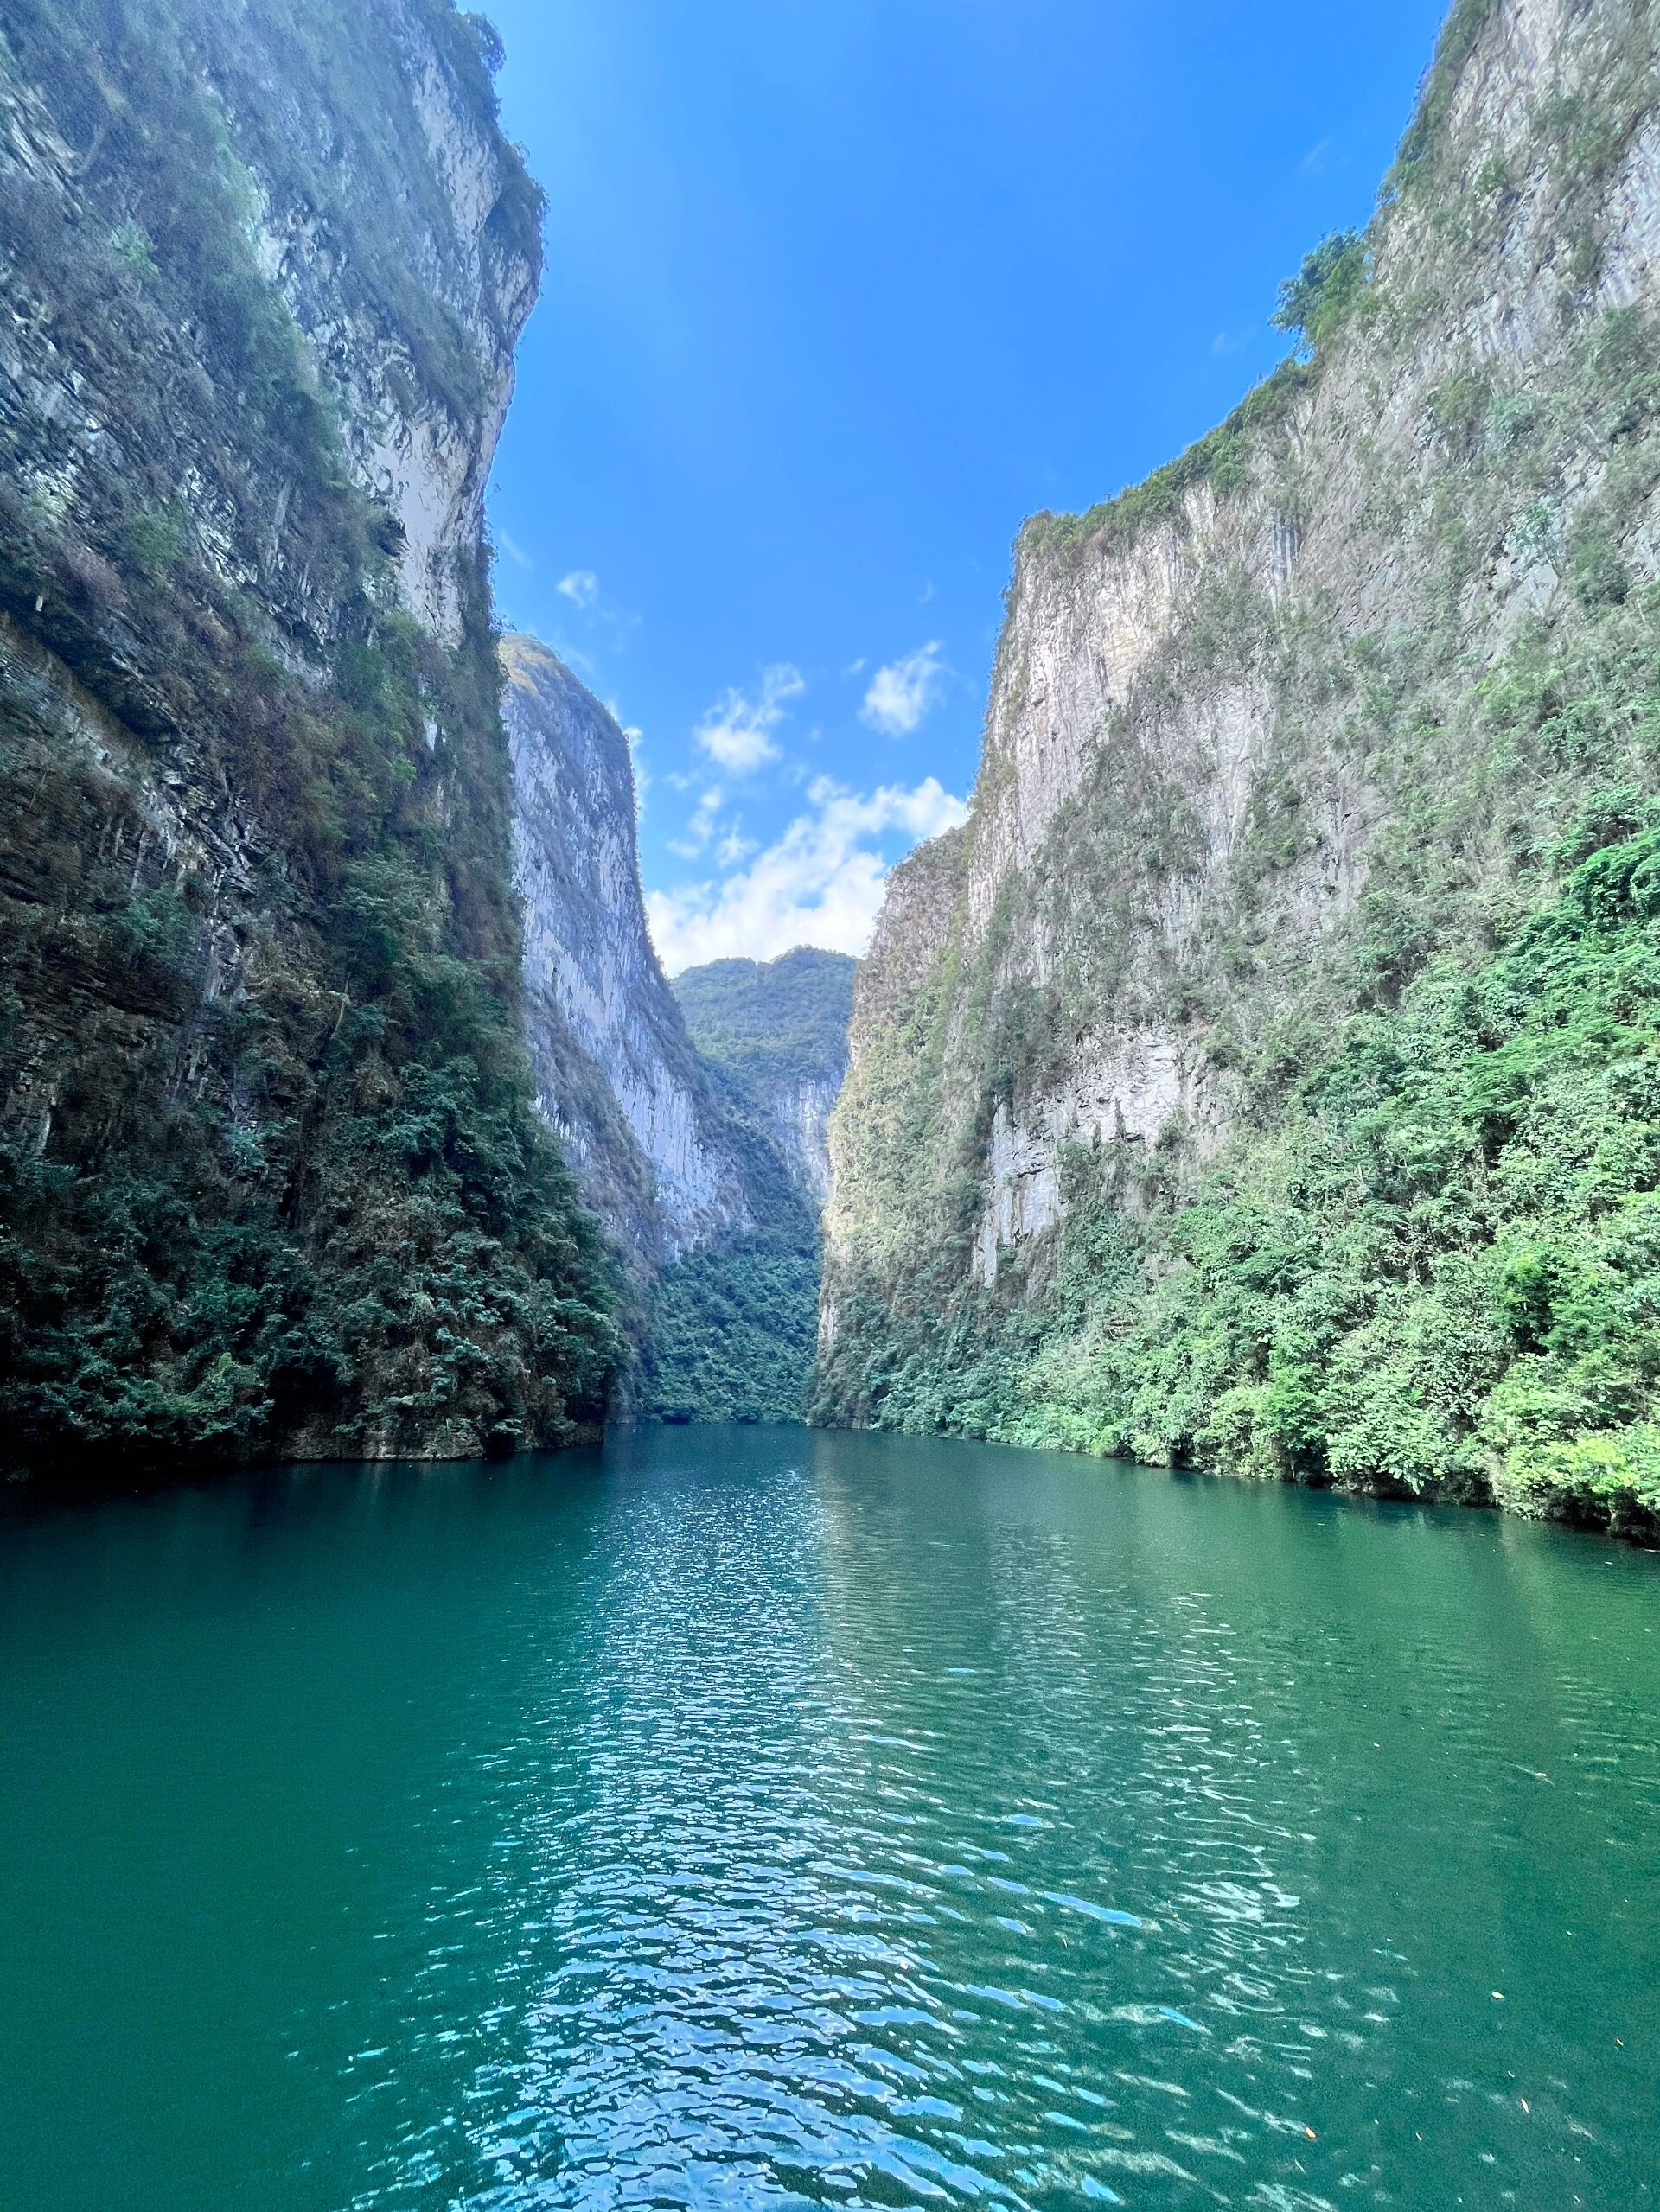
[748, 1818]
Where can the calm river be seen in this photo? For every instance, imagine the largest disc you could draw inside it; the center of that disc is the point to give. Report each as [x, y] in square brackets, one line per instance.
[746, 1818]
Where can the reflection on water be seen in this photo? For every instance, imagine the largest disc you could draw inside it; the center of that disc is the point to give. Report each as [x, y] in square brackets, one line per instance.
[749, 1818]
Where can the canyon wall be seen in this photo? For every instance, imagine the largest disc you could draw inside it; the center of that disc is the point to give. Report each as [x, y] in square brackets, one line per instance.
[692, 1114]
[1322, 723]
[270, 1177]
[616, 1075]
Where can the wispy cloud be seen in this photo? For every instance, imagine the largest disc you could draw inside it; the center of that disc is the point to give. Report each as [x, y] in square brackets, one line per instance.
[902, 692]
[820, 883]
[737, 731]
[734, 847]
[581, 588]
[700, 824]
[513, 552]
[1317, 159]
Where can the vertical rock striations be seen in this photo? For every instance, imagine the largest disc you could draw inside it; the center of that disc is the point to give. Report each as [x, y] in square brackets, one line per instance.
[703, 1164]
[616, 1075]
[270, 1178]
[1265, 1075]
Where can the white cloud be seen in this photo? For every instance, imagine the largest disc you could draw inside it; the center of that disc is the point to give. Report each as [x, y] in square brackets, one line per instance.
[581, 587]
[701, 826]
[734, 847]
[819, 884]
[902, 692]
[513, 552]
[737, 732]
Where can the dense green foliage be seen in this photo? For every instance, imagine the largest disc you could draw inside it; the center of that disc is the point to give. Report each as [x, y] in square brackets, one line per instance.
[773, 1023]
[731, 1332]
[269, 1174]
[1438, 1272]
[730, 1327]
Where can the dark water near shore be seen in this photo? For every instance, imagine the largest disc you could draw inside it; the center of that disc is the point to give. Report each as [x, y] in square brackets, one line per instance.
[752, 1818]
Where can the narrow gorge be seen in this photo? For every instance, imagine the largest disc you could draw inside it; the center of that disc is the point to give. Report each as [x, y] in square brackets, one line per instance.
[593, 1611]
[1262, 1079]
[1266, 1076]
[693, 1114]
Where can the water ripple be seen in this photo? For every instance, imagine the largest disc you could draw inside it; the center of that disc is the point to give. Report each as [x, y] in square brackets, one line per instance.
[767, 1820]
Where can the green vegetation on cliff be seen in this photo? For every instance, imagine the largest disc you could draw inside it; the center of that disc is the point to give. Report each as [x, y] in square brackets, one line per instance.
[270, 1175]
[775, 1025]
[1437, 1270]
[732, 1327]
[1289, 1101]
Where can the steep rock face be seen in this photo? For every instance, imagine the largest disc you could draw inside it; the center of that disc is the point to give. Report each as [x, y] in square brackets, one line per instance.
[1267, 735]
[265, 267]
[695, 1174]
[780, 1029]
[615, 1072]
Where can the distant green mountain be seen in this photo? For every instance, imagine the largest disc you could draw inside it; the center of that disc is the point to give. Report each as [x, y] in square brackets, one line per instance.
[733, 1323]
[779, 1030]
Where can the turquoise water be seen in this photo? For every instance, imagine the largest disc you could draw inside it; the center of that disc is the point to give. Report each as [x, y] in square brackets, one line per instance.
[749, 1818]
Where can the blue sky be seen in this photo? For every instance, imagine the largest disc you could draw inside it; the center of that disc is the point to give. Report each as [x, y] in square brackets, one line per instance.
[838, 291]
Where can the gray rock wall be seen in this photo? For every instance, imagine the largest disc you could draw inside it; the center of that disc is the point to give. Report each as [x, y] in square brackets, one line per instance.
[1193, 743]
[264, 265]
[616, 1075]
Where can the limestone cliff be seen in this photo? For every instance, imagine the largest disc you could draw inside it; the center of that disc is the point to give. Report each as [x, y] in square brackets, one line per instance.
[616, 1075]
[269, 1177]
[704, 1179]
[1325, 712]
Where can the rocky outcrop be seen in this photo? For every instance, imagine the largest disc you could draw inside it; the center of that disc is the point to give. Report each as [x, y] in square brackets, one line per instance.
[616, 1075]
[265, 268]
[800, 1122]
[1265, 734]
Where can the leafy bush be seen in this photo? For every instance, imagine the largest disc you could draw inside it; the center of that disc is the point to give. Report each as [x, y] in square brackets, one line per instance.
[1316, 303]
